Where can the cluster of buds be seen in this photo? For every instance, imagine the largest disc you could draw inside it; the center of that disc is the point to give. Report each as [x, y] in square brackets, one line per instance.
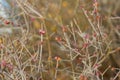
[113, 69]
[4, 64]
[95, 4]
[64, 29]
[58, 39]
[57, 58]
[85, 45]
[42, 32]
[6, 22]
[32, 19]
[10, 67]
[87, 36]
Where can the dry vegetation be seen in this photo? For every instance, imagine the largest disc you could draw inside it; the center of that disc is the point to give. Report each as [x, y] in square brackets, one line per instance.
[61, 40]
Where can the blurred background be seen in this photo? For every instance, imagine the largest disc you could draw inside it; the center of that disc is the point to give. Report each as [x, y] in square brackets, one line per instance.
[22, 18]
